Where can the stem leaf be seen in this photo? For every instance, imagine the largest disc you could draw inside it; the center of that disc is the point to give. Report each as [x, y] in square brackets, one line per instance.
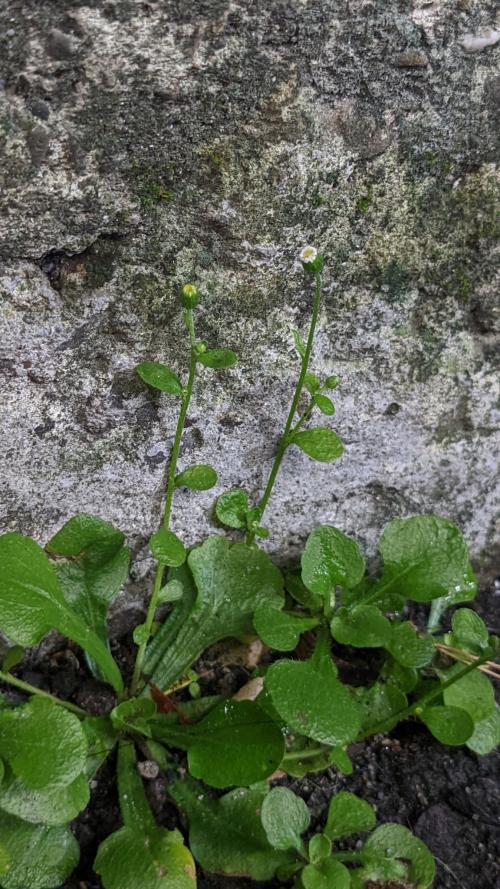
[321, 443]
[158, 376]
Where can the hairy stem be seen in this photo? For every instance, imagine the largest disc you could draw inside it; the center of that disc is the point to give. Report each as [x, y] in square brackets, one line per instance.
[33, 690]
[174, 456]
[285, 438]
[422, 702]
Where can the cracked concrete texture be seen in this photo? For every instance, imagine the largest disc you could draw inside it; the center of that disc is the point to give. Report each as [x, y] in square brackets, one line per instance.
[149, 143]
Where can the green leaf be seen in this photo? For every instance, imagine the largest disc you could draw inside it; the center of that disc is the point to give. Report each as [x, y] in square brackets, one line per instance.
[159, 377]
[311, 383]
[231, 508]
[486, 735]
[5, 860]
[101, 738]
[51, 805]
[410, 649]
[171, 592]
[348, 814]
[473, 693]
[331, 756]
[218, 358]
[31, 604]
[40, 857]
[14, 656]
[298, 591]
[285, 817]
[379, 703]
[331, 382]
[197, 478]
[237, 743]
[326, 875]
[469, 631]
[311, 700]
[279, 629]
[299, 343]
[449, 725]
[134, 806]
[331, 559]
[226, 835]
[425, 557]
[94, 570]
[325, 404]
[167, 548]
[320, 847]
[43, 743]
[227, 584]
[156, 859]
[321, 444]
[406, 678]
[395, 841]
[363, 627]
[134, 715]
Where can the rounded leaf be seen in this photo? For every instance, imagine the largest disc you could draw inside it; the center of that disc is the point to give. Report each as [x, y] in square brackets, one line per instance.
[396, 841]
[44, 744]
[425, 557]
[320, 847]
[285, 817]
[321, 444]
[363, 627]
[218, 358]
[311, 700]
[167, 548]
[486, 734]
[325, 404]
[226, 834]
[156, 859]
[473, 693]
[39, 857]
[331, 559]
[469, 630]
[197, 478]
[231, 508]
[279, 629]
[410, 649]
[159, 377]
[348, 814]
[326, 875]
[237, 743]
[449, 725]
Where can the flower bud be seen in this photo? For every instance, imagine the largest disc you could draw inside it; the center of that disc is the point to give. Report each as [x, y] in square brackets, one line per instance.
[189, 296]
[311, 260]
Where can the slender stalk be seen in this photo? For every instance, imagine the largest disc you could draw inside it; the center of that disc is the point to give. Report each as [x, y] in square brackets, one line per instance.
[285, 438]
[33, 690]
[422, 702]
[347, 856]
[299, 755]
[174, 456]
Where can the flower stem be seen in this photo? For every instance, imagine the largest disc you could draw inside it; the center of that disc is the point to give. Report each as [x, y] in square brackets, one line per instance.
[309, 753]
[285, 438]
[33, 690]
[422, 702]
[174, 456]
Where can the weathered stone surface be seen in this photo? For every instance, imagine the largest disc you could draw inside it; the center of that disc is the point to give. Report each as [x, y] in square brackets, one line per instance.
[147, 144]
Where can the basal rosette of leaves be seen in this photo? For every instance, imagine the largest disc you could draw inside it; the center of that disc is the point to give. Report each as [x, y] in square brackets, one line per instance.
[305, 716]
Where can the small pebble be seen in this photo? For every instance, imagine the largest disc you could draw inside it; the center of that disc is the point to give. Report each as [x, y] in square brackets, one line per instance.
[477, 42]
[148, 769]
[411, 59]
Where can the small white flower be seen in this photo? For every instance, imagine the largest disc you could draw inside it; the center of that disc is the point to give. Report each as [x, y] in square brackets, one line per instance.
[308, 254]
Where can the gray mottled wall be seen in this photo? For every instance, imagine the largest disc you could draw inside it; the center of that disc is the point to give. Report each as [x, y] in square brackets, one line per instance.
[149, 143]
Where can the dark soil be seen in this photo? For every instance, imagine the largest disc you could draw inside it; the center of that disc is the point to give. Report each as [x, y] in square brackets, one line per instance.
[448, 796]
